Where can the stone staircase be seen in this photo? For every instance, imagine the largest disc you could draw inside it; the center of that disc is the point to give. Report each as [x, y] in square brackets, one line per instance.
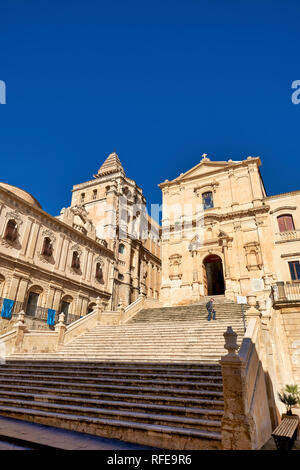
[154, 380]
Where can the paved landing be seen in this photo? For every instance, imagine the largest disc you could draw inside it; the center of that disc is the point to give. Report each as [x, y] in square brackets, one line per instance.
[21, 435]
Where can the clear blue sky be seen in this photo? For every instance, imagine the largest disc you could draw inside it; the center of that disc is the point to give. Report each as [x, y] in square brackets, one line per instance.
[159, 82]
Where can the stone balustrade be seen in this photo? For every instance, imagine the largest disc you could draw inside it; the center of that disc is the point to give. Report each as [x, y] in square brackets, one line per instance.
[246, 423]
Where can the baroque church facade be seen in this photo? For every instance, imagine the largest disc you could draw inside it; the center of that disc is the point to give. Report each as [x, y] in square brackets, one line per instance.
[222, 234]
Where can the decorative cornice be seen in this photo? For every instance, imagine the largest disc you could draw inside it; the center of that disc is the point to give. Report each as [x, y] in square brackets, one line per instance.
[283, 208]
[47, 219]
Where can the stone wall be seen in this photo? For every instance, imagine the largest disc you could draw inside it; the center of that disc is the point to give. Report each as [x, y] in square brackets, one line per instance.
[291, 324]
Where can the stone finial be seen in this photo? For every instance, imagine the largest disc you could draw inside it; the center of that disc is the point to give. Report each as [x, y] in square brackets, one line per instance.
[252, 311]
[98, 303]
[61, 319]
[251, 300]
[21, 318]
[230, 341]
[121, 305]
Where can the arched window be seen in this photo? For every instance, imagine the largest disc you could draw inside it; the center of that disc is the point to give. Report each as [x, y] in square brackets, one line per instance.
[47, 249]
[99, 272]
[207, 200]
[285, 223]
[11, 231]
[121, 248]
[75, 260]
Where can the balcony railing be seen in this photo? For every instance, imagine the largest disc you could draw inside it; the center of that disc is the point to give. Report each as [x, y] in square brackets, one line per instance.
[288, 236]
[287, 291]
[39, 313]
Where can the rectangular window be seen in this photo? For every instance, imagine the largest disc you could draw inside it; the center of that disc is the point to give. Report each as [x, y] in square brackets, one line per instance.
[285, 223]
[295, 270]
[207, 200]
[95, 194]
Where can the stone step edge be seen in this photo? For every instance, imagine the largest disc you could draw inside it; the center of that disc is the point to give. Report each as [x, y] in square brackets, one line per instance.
[125, 387]
[57, 379]
[212, 401]
[131, 424]
[109, 375]
[31, 404]
[44, 397]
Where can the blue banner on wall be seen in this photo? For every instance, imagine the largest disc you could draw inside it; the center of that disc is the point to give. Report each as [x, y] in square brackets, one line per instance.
[7, 308]
[51, 317]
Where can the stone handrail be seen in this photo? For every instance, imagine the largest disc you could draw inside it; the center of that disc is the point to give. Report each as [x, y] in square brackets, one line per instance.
[140, 303]
[22, 340]
[40, 341]
[7, 343]
[246, 423]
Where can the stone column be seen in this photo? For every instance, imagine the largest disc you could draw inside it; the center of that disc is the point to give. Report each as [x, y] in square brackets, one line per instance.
[142, 280]
[13, 288]
[64, 255]
[26, 235]
[58, 250]
[57, 299]
[237, 428]
[22, 289]
[60, 328]
[33, 240]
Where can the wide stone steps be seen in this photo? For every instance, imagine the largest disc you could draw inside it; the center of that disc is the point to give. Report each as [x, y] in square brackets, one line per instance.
[162, 435]
[179, 401]
[196, 312]
[155, 380]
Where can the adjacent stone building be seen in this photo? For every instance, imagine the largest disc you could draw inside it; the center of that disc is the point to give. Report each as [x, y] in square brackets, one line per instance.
[117, 208]
[104, 245]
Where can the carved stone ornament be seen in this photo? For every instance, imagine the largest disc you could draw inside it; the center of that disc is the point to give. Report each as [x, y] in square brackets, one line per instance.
[175, 266]
[199, 190]
[77, 248]
[14, 216]
[79, 210]
[100, 261]
[47, 233]
[253, 256]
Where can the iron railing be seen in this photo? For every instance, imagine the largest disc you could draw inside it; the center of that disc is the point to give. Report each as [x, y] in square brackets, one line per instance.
[39, 313]
[17, 307]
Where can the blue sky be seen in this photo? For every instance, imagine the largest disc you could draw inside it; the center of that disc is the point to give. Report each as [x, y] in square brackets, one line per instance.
[159, 82]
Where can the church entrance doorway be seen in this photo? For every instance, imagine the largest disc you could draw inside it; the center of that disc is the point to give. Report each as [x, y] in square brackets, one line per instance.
[213, 275]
